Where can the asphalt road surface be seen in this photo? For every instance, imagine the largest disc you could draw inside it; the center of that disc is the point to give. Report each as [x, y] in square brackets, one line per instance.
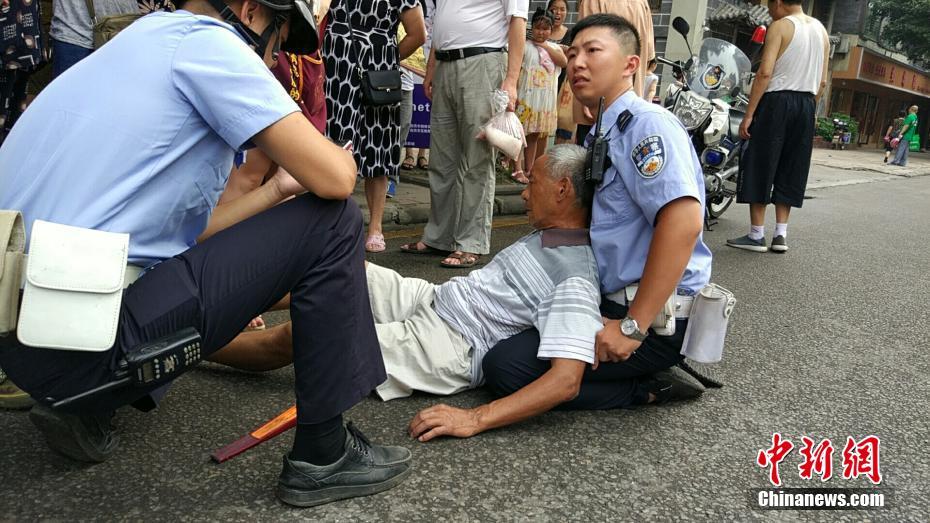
[827, 341]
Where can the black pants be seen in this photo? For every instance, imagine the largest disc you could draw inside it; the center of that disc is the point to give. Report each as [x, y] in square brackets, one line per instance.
[777, 159]
[512, 364]
[310, 247]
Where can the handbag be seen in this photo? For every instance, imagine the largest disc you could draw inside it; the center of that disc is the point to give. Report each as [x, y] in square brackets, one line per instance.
[74, 287]
[378, 88]
[108, 26]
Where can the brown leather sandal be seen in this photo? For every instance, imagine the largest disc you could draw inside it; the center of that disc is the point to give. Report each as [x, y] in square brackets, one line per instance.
[466, 260]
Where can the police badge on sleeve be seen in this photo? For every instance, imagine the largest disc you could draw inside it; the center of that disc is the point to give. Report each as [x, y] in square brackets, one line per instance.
[649, 156]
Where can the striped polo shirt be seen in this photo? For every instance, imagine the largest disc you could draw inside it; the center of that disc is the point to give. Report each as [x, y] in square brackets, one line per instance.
[547, 280]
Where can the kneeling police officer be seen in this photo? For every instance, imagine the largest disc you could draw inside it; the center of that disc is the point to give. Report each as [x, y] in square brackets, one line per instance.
[144, 147]
[646, 226]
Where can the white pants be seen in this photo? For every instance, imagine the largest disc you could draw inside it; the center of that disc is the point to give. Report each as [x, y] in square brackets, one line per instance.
[421, 351]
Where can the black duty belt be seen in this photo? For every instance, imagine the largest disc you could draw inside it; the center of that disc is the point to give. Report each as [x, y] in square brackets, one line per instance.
[458, 54]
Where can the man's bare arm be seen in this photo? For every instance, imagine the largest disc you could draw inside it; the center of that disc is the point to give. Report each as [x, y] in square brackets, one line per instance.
[415, 27]
[826, 65]
[516, 40]
[430, 72]
[764, 75]
[558, 385]
[770, 49]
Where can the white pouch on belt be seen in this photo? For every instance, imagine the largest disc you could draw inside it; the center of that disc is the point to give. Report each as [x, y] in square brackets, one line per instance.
[12, 245]
[74, 287]
[707, 326]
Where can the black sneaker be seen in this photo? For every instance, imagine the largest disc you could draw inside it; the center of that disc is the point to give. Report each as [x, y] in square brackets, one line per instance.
[674, 384]
[748, 244]
[91, 439]
[779, 245]
[363, 470]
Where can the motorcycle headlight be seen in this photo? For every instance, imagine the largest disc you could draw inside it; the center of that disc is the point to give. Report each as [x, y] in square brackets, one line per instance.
[713, 157]
[692, 110]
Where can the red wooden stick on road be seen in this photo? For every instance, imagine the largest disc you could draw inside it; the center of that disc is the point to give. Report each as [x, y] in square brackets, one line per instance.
[283, 422]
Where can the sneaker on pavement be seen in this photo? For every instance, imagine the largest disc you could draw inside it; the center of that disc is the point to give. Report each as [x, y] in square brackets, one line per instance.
[363, 470]
[748, 244]
[89, 438]
[11, 396]
[674, 384]
[779, 244]
[392, 189]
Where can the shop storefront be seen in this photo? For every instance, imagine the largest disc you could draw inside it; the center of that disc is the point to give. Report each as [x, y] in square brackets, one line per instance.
[874, 90]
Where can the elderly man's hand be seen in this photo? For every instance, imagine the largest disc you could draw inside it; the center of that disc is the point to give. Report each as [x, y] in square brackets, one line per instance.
[443, 420]
[611, 345]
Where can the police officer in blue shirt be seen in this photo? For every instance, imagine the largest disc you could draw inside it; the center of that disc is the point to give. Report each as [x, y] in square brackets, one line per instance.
[144, 146]
[646, 227]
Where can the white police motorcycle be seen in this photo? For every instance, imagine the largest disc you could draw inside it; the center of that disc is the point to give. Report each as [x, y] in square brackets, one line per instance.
[708, 100]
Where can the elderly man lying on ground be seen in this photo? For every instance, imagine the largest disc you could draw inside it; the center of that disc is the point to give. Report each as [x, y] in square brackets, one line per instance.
[434, 337]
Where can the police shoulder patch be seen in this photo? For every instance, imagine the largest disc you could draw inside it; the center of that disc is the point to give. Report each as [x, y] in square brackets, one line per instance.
[649, 156]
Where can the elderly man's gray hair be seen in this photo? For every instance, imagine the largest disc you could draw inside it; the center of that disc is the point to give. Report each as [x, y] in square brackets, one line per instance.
[568, 161]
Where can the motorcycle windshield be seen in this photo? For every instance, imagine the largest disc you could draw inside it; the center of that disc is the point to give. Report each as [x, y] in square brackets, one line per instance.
[719, 70]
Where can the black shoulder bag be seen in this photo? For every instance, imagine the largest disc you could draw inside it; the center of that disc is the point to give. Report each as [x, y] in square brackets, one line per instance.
[379, 88]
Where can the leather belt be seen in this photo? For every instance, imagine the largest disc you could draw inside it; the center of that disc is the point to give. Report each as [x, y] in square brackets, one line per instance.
[458, 54]
[682, 303]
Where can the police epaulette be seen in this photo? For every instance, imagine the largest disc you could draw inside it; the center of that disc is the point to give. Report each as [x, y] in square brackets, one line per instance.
[623, 120]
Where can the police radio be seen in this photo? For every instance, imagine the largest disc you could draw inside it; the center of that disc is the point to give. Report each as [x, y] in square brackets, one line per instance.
[597, 158]
[150, 364]
[164, 359]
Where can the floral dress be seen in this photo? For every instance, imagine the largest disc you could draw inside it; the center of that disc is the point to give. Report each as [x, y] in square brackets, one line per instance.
[536, 93]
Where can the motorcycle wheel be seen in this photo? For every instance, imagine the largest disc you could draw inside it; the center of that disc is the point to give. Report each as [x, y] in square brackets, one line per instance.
[721, 201]
[715, 209]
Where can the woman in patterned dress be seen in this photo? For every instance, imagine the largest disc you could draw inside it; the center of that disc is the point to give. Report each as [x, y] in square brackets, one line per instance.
[374, 131]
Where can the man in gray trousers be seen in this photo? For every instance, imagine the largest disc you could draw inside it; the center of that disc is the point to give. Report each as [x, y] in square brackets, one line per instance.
[468, 61]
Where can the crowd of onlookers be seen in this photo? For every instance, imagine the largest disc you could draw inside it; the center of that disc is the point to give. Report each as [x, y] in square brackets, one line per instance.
[372, 34]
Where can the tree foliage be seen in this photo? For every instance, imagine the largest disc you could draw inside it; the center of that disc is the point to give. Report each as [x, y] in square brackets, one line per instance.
[907, 23]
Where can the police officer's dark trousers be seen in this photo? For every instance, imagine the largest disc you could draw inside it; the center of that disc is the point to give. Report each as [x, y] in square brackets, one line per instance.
[310, 247]
[512, 364]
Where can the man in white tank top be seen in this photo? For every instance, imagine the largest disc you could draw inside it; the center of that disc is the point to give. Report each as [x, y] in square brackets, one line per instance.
[780, 121]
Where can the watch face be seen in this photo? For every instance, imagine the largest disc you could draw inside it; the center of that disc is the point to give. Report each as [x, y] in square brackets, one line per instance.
[627, 327]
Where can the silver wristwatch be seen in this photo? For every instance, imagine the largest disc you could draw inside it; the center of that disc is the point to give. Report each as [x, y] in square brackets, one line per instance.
[630, 329]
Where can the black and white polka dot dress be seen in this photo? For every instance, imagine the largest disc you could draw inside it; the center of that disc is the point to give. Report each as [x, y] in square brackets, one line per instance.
[374, 131]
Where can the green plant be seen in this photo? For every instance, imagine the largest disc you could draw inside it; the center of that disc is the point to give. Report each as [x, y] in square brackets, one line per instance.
[825, 125]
